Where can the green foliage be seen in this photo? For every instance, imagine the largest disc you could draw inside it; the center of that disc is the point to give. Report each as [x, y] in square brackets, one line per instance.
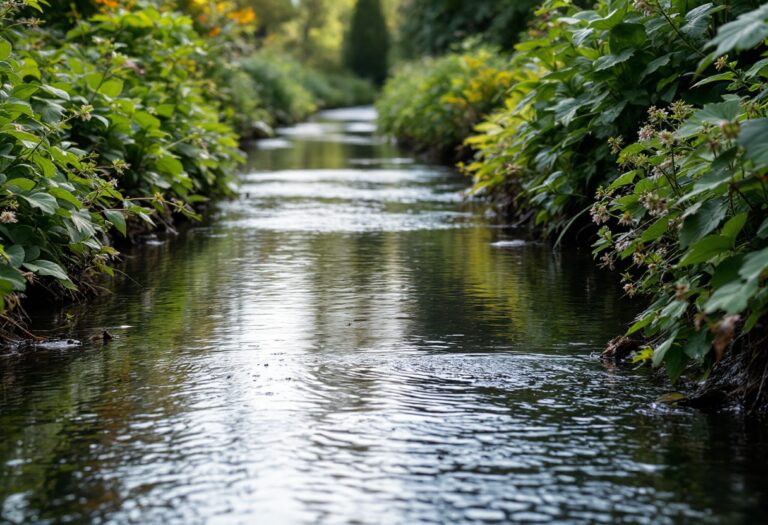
[98, 128]
[693, 217]
[286, 91]
[598, 72]
[433, 104]
[432, 27]
[684, 207]
[366, 47]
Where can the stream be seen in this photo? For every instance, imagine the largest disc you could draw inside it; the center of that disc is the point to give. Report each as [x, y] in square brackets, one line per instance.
[349, 341]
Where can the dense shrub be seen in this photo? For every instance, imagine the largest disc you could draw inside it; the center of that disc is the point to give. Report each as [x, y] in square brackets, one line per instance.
[432, 105]
[690, 211]
[599, 72]
[98, 127]
[277, 89]
[683, 208]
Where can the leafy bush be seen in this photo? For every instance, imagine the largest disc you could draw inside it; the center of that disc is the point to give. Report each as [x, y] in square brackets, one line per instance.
[692, 212]
[684, 207]
[98, 128]
[432, 105]
[289, 91]
[599, 72]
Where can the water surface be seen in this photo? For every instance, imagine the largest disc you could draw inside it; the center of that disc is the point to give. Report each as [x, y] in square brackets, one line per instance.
[349, 342]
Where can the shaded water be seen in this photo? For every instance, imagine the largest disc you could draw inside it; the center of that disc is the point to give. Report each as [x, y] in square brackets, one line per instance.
[347, 342]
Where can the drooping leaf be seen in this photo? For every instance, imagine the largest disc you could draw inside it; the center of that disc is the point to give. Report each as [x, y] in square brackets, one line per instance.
[745, 32]
[42, 201]
[44, 267]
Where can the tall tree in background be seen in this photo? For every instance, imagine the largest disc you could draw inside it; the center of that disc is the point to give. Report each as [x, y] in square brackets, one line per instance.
[366, 48]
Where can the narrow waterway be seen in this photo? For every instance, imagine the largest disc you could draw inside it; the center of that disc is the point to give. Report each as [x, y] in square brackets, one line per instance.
[349, 342]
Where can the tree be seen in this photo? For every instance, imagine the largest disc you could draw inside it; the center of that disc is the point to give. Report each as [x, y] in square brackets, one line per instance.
[366, 48]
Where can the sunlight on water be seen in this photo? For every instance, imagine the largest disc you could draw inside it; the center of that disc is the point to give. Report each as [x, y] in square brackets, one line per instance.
[347, 341]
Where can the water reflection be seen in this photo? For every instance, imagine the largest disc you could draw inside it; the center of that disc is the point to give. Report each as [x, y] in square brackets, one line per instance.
[345, 344]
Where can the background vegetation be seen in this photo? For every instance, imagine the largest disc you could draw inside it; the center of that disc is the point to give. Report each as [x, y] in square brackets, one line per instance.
[650, 119]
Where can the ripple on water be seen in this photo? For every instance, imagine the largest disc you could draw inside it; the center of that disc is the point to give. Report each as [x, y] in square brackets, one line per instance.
[349, 345]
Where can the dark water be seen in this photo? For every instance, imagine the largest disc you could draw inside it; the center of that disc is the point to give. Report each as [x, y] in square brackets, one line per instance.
[344, 343]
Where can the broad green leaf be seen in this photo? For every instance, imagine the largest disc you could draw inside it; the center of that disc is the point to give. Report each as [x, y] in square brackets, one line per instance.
[5, 49]
[762, 231]
[675, 361]
[42, 201]
[721, 77]
[50, 268]
[661, 351]
[613, 19]
[757, 68]
[170, 165]
[13, 276]
[718, 112]
[112, 87]
[67, 196]
[82, 221]
[117, 219]
[623, 180]
[24, 91]
[654, 65]
[627, 35]
[655, 230]
[56, 92]
[706, 249]
[706, 219]
[735, 224]
[20, 184]
[753, 136]
[754, 265]
[145, 120]
[15, 255]
[746, 32]
[732, 298]
[698, 346]
[609, 61]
